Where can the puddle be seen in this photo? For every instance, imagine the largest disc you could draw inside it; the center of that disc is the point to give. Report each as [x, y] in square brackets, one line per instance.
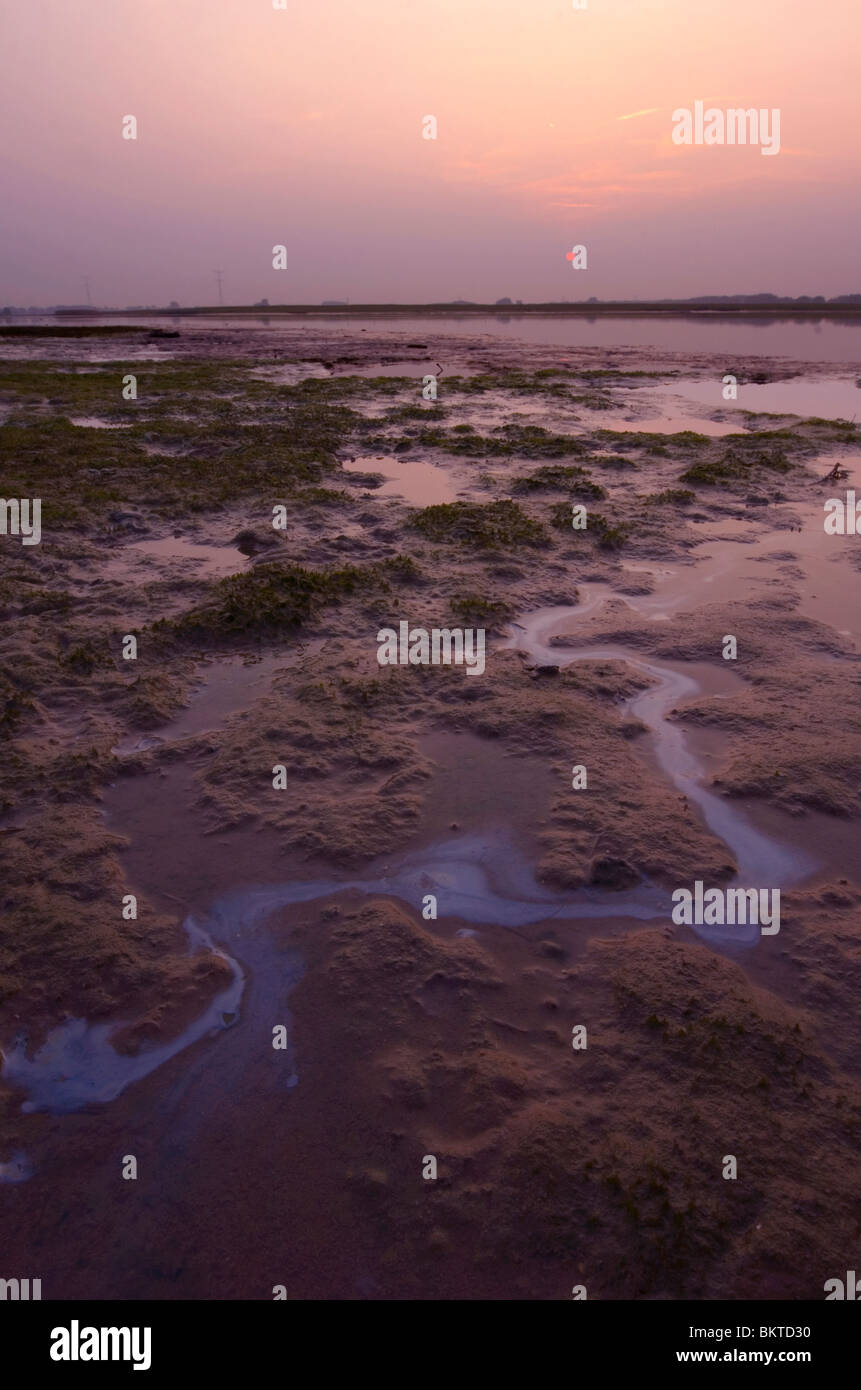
[657, 571]
[290, 373]
[93, 422]
[737, 564]
[645, 409]
[668, 409]
[742, 567]
[227, 687]
[464, 788]
[652, 420]
[424, 484]
[828, 398]
[215, 560]
[663, 409]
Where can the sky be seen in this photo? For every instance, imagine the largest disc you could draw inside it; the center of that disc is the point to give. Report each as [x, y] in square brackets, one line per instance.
[303, 127]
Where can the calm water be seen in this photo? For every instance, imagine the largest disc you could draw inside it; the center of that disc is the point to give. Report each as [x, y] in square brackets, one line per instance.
[822, 341]
[802, 342]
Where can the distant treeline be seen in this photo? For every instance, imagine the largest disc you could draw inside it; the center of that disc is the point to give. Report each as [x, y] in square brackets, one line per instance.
[758, 304]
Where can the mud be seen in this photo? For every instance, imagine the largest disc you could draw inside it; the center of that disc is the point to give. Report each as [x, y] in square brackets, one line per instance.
[257, 908]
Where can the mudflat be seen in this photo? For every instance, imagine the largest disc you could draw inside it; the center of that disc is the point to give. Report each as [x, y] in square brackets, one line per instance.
[285, 923]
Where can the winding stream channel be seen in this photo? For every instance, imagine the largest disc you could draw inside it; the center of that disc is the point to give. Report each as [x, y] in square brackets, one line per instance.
[482, 878]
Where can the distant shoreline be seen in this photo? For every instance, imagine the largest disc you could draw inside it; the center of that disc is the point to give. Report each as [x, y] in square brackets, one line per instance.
[780, 309]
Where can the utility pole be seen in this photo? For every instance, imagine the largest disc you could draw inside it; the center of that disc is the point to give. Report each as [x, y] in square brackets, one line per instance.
[217, 274]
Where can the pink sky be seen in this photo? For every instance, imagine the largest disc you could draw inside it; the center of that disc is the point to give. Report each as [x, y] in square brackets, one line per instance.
[303, 127]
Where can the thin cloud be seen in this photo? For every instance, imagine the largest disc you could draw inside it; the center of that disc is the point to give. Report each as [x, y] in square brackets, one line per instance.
[648, 111]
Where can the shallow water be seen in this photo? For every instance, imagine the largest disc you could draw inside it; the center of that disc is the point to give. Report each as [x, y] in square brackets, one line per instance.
[649, 416]
[761, 860]
[823, 341]
[807, 340]
[227, 686]
[423, 484]
[671, 406]
[205, 559]
[828, 398]
[743, 565]
[93, 422]
[483, 878]
[480, 878]
[77, 1066]
[645, 409]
